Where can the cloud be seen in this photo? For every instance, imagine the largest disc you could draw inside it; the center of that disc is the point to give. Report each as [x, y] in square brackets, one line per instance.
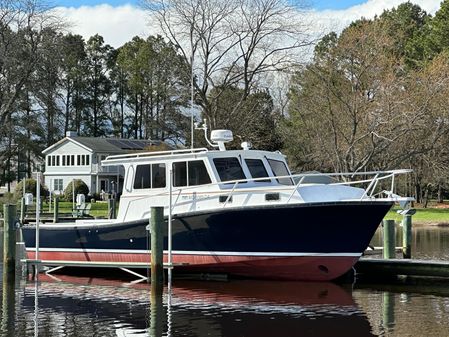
[117, 25]
[120, 24]
[335, 20]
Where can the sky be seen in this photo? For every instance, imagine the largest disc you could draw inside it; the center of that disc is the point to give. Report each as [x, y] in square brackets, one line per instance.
[118, 21]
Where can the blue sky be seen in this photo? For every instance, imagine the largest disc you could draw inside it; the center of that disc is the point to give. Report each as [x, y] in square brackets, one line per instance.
[317, 4]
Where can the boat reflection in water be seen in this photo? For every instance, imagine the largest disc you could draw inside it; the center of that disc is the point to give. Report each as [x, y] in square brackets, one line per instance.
[102, 307]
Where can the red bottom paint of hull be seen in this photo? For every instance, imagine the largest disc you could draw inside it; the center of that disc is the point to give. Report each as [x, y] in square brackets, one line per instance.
[298, 268]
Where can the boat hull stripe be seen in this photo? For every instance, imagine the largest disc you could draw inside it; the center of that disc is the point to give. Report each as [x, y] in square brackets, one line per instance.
[175, 252]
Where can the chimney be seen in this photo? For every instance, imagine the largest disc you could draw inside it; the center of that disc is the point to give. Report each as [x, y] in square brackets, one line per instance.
[71, 134]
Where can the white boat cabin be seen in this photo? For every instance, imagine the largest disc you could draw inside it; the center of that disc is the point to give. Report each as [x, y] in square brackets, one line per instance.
[203, 180]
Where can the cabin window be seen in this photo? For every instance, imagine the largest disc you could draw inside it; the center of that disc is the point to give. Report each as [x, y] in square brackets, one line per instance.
[129, 178]
[198, 173]
[150, 176]
[257, 169]
[280, 169]
[157, 175]
[180, 174]
[229, 169]
[190, 173]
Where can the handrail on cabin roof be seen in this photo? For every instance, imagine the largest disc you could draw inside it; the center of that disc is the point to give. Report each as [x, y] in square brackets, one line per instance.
[155, 153]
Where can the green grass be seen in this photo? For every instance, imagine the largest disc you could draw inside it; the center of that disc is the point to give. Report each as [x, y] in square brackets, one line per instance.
[98, 209]
[423, 215]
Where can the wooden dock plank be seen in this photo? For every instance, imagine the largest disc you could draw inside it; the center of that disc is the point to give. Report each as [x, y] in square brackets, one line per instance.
[409, 267]
[97, 264]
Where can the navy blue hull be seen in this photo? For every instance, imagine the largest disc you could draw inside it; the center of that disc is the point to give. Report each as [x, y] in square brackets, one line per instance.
[308, 228]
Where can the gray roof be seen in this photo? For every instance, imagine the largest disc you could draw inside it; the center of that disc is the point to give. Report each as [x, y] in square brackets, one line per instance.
[109, 145]
[118, 145]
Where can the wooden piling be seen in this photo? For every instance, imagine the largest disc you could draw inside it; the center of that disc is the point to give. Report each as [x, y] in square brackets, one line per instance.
[9, 239]
[111, 208]
[23, 209]
[407, 237]
[56, 210]
[157, 312]
[157, 248]
[388, 304]
[8, 302]
[389, 238]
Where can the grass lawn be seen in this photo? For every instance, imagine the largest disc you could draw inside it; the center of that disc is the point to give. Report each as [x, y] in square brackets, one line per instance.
[98, 209]
[423, 215]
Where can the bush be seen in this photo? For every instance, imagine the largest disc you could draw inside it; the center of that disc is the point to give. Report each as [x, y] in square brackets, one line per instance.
[30, 187]
[7, 198]
[80, 188]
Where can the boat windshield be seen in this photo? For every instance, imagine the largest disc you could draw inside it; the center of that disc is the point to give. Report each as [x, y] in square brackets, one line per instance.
[229, 169]
[257, 169]
[280, 169]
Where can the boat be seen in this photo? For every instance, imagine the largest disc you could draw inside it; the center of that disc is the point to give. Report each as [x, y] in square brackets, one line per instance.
[236, 212]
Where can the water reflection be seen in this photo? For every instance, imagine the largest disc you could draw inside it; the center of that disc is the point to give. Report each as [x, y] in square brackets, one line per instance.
[87, 306]
[428, 242]
[236, 308]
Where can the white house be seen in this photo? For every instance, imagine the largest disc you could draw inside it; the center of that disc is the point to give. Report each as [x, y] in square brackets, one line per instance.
[76, 157]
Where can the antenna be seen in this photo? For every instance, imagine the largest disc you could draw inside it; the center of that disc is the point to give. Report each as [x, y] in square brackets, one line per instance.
[218, 137]
[191, 93]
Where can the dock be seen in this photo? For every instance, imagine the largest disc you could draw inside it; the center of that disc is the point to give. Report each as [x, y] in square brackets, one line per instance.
[408, 267]
[54, 265]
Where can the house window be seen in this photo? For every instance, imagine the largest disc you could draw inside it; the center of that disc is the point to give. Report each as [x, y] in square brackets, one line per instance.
[63, 160]
[83, 159]
[78, 160]
[150, 176]
[53, 160]
[48, 160]
[57, 160]
[87, 159]
[57, 185]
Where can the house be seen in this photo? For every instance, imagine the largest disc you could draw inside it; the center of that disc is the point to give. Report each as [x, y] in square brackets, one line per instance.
[75, 157]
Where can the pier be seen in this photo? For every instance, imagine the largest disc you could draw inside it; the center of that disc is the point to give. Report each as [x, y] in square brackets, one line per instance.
[381, 268]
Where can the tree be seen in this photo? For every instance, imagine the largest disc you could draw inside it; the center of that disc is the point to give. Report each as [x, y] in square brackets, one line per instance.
[22, 23]
[98, 89]
[255, 121]
[406, 25]
[157, 84]
[230, 43]
[73, 66]
[346, 92]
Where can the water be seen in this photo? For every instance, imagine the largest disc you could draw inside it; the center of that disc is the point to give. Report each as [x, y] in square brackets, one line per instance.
[87, 306]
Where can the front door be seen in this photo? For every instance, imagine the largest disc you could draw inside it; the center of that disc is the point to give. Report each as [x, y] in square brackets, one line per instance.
[104, 185]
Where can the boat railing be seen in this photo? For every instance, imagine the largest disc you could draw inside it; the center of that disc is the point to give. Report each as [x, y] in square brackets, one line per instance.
[229, 188]
[111, 159]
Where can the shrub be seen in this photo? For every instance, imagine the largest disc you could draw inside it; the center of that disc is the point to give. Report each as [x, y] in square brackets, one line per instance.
[30, 187]
[7, 198]
[80, 188]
